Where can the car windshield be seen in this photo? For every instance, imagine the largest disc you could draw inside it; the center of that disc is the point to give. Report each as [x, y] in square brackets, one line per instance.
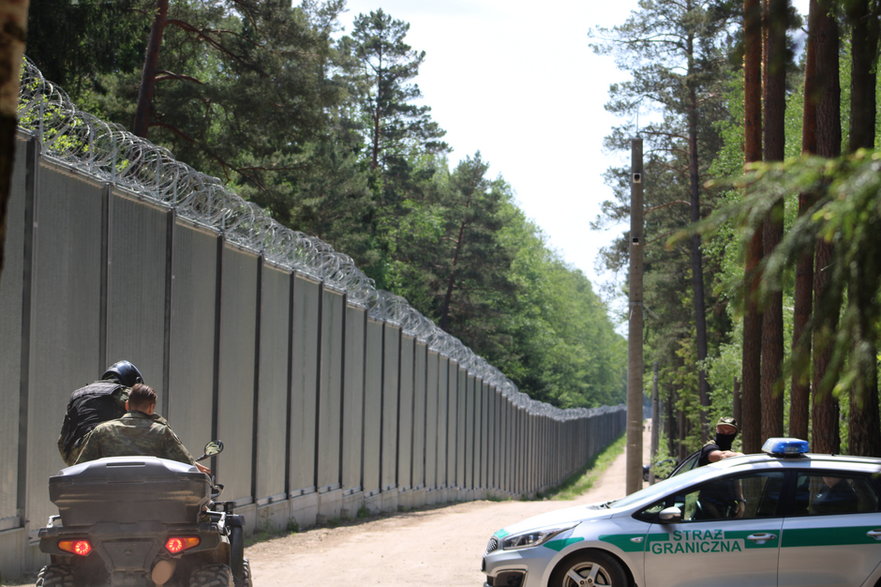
[657, 490]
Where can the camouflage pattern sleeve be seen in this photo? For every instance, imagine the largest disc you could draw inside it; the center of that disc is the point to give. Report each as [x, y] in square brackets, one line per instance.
[175, 449]
[89, 449]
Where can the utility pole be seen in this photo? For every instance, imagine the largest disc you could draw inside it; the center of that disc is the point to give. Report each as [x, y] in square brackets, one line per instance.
[635, 324]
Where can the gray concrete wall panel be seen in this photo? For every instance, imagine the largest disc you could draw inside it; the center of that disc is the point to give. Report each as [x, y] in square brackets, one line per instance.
[373, 407]
[137, 240]
[432, 415]
[483, 429]
[493, 433]
[65, 318]
[330, 398]
[192, 334]
[461, 426]
[443, 422]
[419, 414]
[453, 439]
[470, 429]
[304, 391]
[511, 447]
[238, 355]
[391, 374]
[406, 427]
[11, 307]
[273, 389]
[353, 397]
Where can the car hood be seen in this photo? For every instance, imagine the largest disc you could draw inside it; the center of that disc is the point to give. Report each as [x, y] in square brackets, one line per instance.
[561, 517]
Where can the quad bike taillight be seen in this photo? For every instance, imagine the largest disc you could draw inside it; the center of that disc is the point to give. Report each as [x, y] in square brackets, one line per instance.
[78, 547]
[176, 544]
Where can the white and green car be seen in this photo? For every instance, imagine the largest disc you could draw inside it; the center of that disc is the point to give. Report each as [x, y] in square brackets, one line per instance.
[790, 519]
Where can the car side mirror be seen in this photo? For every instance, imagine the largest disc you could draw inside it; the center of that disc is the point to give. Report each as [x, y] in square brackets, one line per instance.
[215, 447]
[670, 514]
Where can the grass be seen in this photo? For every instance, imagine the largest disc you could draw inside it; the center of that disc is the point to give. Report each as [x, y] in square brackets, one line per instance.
[584, 479]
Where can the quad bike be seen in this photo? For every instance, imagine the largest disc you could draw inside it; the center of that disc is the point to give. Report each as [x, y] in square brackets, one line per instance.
[141, 521]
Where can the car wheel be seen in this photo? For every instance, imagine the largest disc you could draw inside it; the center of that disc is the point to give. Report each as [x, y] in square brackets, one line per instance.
[588, 569]
[212, 576]
[55, 576]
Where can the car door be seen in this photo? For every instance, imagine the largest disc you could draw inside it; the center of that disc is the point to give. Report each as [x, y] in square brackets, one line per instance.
[833, 535]
[723, 547]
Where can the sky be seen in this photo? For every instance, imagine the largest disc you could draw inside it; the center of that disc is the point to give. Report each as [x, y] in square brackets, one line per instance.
[519, 83]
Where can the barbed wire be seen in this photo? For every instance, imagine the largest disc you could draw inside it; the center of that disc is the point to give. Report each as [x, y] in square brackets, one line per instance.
[114, 155]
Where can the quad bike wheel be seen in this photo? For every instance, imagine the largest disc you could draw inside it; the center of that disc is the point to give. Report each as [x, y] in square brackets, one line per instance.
[246, 575]
[237, 551]
[212, 576]
[55, 576]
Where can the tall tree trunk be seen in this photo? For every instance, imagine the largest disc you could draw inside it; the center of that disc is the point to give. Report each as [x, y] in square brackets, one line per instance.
[776, 12]
[864, 427]
[752, 318]
[14, 20]
[444, 319]
[800, 396]
[826, 434]
[144, 112]
[697, 264]
[446, 303]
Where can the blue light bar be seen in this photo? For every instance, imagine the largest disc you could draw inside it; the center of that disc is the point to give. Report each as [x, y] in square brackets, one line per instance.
[785, 447]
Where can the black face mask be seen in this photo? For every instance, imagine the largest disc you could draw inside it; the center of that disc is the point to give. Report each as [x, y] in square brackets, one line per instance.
[724, 440]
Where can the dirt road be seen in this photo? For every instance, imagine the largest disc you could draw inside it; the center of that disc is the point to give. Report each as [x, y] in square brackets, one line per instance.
[441, 546]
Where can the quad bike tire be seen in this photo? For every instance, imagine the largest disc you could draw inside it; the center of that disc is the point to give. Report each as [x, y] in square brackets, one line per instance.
[55, 576]
[212, 576]
[246, 575]
[237, 551]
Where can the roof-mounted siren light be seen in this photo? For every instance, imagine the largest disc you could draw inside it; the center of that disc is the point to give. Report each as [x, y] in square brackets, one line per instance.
[785, 447]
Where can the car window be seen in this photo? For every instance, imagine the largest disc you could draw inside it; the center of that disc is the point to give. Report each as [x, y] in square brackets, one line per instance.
[745, 496]
[820, 493]
[687, 464]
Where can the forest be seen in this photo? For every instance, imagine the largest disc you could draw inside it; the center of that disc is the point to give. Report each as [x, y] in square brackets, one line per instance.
[761, 204]
[327, 130]
[762, 190]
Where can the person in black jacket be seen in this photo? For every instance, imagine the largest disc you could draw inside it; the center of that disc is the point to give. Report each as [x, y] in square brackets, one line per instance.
[94, 403]
[720, 499]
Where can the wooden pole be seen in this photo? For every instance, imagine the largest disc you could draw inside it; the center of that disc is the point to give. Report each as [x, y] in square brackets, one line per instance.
[635, 325]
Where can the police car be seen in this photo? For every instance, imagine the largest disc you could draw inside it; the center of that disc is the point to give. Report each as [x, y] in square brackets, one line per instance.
[794, 519]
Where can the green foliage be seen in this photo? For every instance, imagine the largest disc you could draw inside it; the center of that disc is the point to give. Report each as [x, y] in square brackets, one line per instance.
[847, 214]
[385, 64]
[75, 42]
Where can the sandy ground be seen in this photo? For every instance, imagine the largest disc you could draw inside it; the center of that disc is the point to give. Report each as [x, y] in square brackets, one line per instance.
[440, 546]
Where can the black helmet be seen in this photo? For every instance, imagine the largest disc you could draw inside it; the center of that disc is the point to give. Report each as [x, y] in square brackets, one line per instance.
[123, 372]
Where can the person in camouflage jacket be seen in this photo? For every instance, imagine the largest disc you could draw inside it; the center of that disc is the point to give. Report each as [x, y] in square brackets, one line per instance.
[139, 432]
